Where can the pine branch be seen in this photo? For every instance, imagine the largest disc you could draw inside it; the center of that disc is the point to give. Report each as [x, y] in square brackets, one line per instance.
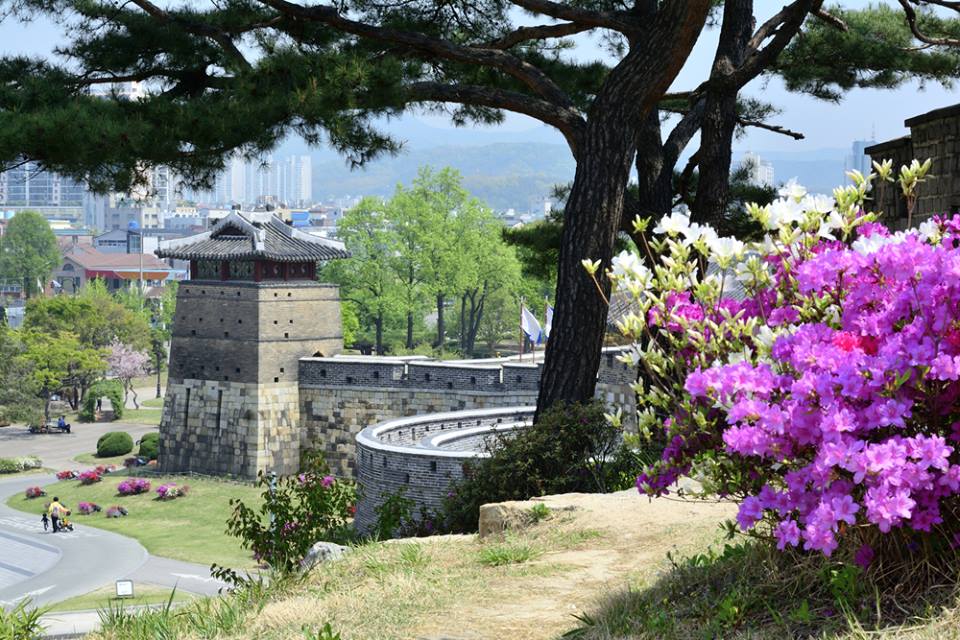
[430, 47]
[613, 20]
[911, 16]
[196, 28]
[567, 121]
[541, 32]
[759, 124]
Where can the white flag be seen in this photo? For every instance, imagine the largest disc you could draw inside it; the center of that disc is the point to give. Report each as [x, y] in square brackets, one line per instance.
[549, 322]
[530, 326]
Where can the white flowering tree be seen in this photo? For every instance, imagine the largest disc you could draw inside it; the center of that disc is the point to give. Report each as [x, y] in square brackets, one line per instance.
[126, 364]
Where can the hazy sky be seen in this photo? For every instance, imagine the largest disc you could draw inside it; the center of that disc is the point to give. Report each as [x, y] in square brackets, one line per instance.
[824, 124]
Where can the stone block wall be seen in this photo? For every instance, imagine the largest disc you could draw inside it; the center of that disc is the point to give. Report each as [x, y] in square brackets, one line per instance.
[230, 428]
[392, 456]
[332, 415]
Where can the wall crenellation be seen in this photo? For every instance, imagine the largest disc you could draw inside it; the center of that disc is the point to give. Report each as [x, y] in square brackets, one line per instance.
[378, 372]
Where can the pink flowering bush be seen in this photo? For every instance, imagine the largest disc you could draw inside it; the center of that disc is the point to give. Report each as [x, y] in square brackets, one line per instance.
[67, 475]
[133, 486]
[89, 477]
[34, 492]
[116, 512]
[813, 377]
[171, 491]
[86, 508]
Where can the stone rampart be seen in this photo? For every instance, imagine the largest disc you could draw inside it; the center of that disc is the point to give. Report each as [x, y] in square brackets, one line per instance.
[423, 455]
[341, 396]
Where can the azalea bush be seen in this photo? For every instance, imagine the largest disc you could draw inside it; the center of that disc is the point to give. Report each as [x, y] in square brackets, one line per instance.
[67, 474]
[171, 491]
[133, 486]
[813, 376]
[297, 511]
[116, 511]
[34, 492]
[87, 508]
[91, 476]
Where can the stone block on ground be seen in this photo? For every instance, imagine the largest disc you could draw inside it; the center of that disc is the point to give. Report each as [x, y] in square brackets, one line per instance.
[323, 552]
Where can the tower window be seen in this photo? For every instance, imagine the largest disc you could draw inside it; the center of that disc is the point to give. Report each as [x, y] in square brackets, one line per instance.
[281, 369]
[226, 334]
[286, 335]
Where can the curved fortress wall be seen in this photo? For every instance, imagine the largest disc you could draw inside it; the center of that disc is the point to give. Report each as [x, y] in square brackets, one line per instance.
[423, 455]
[341, 396]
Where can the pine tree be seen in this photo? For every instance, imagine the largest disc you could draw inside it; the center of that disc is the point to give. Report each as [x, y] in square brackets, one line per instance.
[239, 75]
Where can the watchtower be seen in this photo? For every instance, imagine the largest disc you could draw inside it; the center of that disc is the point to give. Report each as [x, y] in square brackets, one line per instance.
[251, 309]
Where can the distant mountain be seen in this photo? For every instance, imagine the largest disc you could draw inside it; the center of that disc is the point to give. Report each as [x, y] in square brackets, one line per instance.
[504, 175]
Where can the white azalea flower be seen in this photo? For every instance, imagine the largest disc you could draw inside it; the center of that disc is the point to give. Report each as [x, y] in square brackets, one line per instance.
[676, 222]
[819, 203]
[793, 190]
[784, 212]
[869, 244]
[765, 336]
[630, 270]
[929, 230]
[726, 249]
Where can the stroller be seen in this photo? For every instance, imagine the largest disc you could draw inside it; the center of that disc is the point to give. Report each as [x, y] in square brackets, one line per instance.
[65, 524]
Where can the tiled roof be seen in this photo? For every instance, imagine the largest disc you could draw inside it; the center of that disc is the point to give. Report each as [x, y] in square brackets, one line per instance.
[253, 235]
[89, 258]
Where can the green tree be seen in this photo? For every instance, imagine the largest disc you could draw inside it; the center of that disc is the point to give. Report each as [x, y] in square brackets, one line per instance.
[366, 278]
[28, 252]
[18, 397]
[238, 76]
[58, 360]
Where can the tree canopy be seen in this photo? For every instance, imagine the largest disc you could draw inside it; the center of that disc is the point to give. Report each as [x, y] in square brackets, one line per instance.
[236, 76]
[28, 252]
[430, 245]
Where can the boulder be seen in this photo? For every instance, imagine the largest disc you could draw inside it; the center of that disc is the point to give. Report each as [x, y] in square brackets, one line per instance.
[498, 517]
[323, 552]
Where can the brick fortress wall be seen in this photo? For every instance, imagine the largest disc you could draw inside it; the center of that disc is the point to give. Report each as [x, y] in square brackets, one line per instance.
[341, 396]
[232, 405]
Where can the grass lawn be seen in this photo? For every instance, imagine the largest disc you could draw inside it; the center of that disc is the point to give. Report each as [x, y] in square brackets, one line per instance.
[189, 528]
[144, 415]
[93, 460]
[104, 597]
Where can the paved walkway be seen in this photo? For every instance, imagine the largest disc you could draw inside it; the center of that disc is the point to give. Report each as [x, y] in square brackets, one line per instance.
[57, 450]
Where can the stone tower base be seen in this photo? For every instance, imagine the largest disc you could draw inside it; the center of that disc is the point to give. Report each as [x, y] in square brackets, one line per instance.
[230, 428]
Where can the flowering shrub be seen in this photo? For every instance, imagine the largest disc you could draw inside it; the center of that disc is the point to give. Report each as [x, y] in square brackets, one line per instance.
[105, 469]
[133, 461]
[86, 508]
[89, 477]
[133, 486]
[171, 491]
[116, 512]
[34, 492]
[297, 512]
[824, 396]
[67, 475]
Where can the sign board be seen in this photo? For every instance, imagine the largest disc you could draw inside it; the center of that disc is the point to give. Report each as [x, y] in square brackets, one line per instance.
[124, 588]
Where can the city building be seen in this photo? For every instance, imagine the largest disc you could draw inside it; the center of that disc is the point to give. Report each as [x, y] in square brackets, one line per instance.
[760, 172]
[30, 186]
[859, 159]
[932, 135]
[82, 263]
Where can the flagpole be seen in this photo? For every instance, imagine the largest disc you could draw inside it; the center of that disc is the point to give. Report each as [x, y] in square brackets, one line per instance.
[521, 328]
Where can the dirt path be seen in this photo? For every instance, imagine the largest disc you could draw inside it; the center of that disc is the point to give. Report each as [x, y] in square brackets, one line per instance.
[635, 535]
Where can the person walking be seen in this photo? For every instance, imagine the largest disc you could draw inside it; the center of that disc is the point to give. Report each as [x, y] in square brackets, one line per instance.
[55, 510]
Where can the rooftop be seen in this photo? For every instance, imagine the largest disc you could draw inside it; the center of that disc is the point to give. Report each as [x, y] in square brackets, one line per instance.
[249, 236]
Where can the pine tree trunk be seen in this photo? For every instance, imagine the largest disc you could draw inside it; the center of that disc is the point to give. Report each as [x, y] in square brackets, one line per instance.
[720, 115]
[605, 151]
[409, 329]
[441, 327]
[378, 323]
[463, 323]
[591, 220]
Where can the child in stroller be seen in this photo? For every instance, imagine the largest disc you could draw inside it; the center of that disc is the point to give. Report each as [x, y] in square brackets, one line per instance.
[65, 524]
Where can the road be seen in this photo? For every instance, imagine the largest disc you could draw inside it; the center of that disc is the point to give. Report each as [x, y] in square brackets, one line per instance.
[48, 568]
[57, 450]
